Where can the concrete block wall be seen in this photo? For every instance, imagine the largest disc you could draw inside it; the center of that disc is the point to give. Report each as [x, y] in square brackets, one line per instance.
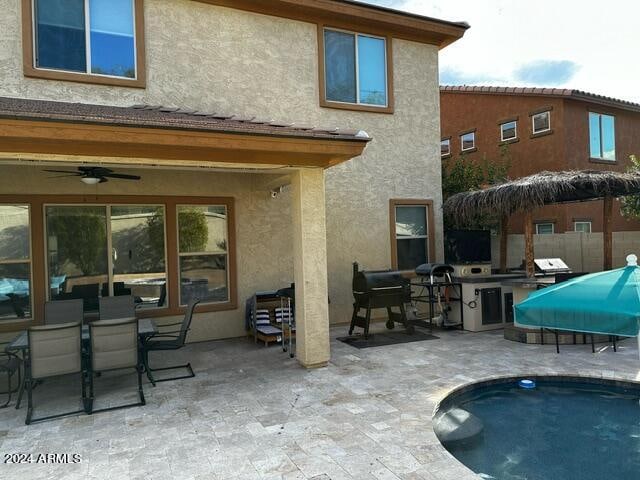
[581, 251]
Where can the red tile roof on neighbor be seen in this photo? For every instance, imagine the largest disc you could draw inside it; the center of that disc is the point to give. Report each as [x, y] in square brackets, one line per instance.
[544, 92]
[157, 116]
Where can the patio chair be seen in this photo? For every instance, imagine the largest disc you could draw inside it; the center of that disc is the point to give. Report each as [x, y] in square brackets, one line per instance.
[114, 346]
[112, 308]
[63, 311]
[10, 366]
[54, 350]
[169, 340]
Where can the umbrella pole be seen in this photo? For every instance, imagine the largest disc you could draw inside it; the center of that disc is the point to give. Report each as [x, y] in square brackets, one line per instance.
[528, 244]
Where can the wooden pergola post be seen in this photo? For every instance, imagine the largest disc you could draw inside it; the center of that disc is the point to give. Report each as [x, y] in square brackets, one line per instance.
[504, 239]
[607, 233]
[528, 244]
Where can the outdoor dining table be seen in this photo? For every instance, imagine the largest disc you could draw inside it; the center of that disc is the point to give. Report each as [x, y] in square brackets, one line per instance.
[146, 328]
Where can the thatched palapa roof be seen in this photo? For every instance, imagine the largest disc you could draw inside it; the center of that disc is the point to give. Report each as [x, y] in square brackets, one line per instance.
[543, 188]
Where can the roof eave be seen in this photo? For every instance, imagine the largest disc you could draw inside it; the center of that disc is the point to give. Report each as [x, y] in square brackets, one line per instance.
[356, 15]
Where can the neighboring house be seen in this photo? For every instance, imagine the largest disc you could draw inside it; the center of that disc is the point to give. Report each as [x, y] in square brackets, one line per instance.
[246, 121]
[544, 129]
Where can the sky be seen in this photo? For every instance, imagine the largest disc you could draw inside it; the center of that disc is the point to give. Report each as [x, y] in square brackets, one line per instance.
[586, 45]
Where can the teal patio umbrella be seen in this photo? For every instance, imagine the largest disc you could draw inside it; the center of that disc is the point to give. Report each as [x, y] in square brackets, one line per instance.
[604, 303]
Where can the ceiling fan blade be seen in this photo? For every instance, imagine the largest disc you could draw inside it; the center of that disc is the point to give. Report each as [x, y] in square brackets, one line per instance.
[94, 170]
[64, 176]
[121, 176]
[63, 171]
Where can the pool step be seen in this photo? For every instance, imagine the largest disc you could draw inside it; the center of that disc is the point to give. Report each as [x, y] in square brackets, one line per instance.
[457, 426]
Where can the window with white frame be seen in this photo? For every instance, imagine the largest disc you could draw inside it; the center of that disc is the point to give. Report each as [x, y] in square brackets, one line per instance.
[355, 68]
[411, 235]
[583, 226]
[15, 262]
[468, 141]
[544, 228]
[85, 36]
[602, 136]
[541, 122]
[509, 131]
[203, 253]
[445, 147]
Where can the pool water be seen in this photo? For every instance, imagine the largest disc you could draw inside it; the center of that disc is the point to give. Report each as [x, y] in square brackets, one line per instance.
[556, 431]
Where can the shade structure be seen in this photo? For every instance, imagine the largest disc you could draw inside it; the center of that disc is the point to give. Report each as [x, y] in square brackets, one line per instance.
[605, 302]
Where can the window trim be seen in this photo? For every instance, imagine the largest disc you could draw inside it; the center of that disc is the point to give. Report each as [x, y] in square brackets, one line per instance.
[600, 115]
[533, 122]
[28, 261]
[431, 232]
[448, 154]
[28, 54]
[575, 222]
[515, 128]
[108, 219]
[462, 149]
[553, 228]
[389, 108]
[195, 254]
[39, 259]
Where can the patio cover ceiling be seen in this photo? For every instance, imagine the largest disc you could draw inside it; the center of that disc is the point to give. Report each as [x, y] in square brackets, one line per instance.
[171, 136]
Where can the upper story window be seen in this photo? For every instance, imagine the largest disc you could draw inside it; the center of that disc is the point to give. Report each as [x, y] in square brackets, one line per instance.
[583, 226]
[545, 228]
[445, 147]
[541, 122]
[509, 131]
[356, 71]
[602, 136]
[94, 41]
[468, 141]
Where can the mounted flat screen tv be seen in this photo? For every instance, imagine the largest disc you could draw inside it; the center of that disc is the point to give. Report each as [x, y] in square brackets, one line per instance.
[467, 246]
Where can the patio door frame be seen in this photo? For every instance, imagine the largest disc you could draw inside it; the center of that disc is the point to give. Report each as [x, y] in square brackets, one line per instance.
[110, 273]
[39, 254]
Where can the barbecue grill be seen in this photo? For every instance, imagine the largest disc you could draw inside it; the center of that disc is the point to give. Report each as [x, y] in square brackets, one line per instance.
[379, 289]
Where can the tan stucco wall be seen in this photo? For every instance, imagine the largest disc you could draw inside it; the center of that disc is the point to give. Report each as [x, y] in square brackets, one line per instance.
[205, 57]
[263, 225]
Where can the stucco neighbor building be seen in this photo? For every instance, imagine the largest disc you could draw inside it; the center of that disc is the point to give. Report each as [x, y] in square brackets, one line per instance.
[297, 134]
[551, 129]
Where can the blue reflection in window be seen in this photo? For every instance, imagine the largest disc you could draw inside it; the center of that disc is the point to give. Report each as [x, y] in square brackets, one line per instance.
[602, 136]
[112, 41]
[372, 70]
[60, 35]
[340, 66]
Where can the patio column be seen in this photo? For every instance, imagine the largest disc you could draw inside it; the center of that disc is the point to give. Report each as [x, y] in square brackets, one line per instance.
[310, 268]
[528, 244]
[607, 233]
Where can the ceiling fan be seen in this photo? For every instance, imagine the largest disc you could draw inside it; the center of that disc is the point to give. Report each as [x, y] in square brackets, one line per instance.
[94, 175]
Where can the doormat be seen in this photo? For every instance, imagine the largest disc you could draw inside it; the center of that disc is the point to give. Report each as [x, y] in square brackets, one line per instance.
[385, 338]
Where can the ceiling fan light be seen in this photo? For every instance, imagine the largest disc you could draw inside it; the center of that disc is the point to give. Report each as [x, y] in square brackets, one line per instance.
[90, 180]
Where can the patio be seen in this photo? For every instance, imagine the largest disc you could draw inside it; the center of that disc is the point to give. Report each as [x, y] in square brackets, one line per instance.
[252, 413]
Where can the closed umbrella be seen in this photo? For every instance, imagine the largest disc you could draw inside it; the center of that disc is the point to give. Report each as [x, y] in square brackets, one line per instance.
[603, 303]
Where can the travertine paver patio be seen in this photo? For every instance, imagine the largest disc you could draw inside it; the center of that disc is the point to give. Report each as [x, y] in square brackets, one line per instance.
[252, 413]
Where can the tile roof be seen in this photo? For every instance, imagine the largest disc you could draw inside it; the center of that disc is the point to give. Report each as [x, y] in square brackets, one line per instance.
[548, 92]
[158, 116]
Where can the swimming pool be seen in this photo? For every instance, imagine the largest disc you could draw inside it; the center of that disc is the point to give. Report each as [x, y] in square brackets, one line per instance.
[566, 428]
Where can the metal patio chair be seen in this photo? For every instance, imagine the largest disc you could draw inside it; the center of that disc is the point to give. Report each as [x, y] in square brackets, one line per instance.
[54, 350]
[114, 346]
[169, 340]
[122, 306]
[10, 366]
[63, 311]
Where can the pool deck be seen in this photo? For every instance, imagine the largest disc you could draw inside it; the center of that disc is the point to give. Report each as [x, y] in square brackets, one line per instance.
[252, 413]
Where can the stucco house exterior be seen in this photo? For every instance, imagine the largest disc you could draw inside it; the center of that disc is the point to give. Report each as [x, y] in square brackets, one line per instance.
[292, 132]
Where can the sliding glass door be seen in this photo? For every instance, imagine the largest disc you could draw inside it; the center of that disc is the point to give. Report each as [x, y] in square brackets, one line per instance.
[104, 250]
